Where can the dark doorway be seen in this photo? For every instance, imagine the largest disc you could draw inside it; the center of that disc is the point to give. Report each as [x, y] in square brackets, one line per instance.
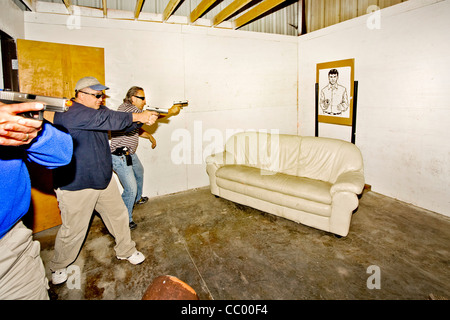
[9, 62]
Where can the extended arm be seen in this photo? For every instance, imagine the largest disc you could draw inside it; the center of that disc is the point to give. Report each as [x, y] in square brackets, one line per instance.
[52, 148]
[144, 134]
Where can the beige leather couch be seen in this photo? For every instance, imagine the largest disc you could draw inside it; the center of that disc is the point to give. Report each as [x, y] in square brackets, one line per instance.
[310, 180]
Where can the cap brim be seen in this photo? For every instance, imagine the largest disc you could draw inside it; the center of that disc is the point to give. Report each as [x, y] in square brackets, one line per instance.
[99, 87]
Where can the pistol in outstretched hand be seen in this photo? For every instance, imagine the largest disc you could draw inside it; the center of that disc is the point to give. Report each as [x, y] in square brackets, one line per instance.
[50, 103]
[159, 110]
[182, 103]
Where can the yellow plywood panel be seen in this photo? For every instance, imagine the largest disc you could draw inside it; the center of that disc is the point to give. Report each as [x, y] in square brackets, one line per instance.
[52, 69]
[44, 211]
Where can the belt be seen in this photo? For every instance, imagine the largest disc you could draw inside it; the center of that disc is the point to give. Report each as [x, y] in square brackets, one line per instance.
[121, 151]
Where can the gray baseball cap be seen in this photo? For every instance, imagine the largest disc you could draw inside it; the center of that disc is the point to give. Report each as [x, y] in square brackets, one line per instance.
[90, 82]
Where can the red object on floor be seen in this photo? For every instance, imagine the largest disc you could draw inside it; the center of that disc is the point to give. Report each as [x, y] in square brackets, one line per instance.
[169, 288]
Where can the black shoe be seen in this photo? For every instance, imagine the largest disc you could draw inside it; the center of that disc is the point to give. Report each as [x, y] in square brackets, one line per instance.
[142, 200]
[133, 225]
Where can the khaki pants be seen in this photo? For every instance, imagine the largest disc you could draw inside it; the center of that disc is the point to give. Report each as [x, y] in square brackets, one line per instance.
[22, 273]
[76, 211]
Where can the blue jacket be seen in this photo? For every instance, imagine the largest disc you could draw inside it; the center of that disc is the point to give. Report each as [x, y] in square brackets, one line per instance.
[91, 166]
[51, 148]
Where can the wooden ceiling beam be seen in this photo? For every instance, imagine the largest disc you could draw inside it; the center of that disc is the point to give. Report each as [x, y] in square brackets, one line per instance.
[137, 10]
[105, 8]
[30, 4]
[229, 10]
[257, 11]
[170, 8]
[68, 5]
[201, 9]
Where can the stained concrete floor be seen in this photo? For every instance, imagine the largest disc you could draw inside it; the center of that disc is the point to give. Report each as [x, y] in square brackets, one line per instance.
[226, 251]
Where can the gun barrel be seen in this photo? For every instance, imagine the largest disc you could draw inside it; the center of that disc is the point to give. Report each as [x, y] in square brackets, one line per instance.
[184, 103]
[159, 110]
[50, 103]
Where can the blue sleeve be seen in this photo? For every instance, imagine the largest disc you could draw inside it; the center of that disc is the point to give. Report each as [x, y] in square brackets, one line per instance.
[52, 148]
[105, 119]
[83, 118]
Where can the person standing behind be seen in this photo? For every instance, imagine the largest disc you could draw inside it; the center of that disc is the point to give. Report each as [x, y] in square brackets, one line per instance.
[126, 163]
[86, 184]
[22, 273]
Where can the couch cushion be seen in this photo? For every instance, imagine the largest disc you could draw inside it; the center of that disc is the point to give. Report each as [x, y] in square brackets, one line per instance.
[243, 192]
[316, 158]
[325, 158]
[310, 189]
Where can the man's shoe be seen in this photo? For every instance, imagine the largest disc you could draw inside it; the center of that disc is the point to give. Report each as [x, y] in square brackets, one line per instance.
[135, 258]
[142, 200]
[59, 276]
[133, 225]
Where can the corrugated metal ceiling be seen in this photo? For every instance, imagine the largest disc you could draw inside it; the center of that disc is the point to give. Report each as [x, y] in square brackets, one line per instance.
[281, 19]
[268, 16]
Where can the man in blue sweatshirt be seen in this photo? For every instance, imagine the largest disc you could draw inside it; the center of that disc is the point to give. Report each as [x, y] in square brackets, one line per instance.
[22, 273]
[86, 184]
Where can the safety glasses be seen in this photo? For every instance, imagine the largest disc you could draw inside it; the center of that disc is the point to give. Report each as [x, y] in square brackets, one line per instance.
[98, 96]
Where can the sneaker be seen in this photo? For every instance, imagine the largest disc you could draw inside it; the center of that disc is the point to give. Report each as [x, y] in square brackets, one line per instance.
[59, 276]
[142, 200]
[135, 258]
[133, 225]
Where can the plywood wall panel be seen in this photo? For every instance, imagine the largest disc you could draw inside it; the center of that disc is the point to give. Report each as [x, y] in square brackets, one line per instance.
[52, 69]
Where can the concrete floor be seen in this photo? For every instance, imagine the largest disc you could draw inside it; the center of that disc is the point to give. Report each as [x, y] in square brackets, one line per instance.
[226, 251]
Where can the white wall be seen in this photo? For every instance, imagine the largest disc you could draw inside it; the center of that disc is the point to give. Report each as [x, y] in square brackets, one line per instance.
[11, 23]
[11, 19]
[403, 110]
[233, 80]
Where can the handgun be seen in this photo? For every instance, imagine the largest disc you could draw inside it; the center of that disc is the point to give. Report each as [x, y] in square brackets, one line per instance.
[50, 103]
[184, 103]
[159, 110]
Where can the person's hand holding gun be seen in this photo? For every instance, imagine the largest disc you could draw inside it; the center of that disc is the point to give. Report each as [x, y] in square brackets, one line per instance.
[147, 117]
[16, 130]
[175, 109]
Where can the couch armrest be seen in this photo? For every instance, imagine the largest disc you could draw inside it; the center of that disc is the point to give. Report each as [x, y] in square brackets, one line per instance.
[220, 159]
[213, 163]
[351, 181]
